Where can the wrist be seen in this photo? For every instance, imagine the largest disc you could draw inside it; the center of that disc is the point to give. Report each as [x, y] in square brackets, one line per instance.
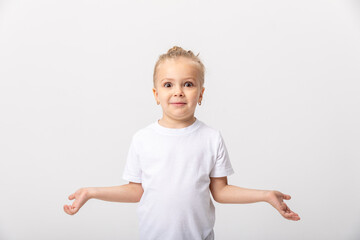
[266, 195]
[90, 192]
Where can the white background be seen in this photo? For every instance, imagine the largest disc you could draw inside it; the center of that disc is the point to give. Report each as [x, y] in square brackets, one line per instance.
[282, 86]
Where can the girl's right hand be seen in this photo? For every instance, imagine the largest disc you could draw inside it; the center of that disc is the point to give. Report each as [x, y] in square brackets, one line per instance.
[81, 196]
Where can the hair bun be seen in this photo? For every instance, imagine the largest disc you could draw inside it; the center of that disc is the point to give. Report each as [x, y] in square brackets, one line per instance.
[176, 51]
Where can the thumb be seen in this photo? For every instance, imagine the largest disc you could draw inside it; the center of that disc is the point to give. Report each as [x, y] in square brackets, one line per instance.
[287, 197]
[72, 196]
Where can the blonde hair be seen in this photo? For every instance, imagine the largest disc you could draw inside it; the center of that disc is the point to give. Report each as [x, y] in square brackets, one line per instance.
[176, 52]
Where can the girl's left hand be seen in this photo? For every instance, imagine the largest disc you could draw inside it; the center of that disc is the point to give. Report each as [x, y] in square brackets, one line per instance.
[275, 198]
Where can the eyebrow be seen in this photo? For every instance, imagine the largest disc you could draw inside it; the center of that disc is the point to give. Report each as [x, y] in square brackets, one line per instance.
[171, 79]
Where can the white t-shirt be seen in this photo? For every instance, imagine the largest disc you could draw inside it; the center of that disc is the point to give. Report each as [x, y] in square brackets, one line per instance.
[174, 166]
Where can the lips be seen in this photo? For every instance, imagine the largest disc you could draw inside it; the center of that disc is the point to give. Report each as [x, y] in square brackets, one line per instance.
[178, 104]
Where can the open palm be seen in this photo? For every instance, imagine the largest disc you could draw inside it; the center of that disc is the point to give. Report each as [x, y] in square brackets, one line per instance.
[276, 198]
[81, 197]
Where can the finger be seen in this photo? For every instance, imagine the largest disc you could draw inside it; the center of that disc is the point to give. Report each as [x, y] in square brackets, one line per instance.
[72, 196]
[74, 210]
[287, 197]
[295, 214]
[71, 210]
[291, 216]
[291, 213]
[294, 217]
[67, 209]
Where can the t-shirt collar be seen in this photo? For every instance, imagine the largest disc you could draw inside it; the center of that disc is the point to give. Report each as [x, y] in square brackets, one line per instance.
[177, 131]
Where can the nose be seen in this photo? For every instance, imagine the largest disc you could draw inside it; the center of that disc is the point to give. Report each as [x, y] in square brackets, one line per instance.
[178, 91]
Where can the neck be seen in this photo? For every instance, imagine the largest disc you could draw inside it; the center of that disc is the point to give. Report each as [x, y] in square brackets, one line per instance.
[176, 123]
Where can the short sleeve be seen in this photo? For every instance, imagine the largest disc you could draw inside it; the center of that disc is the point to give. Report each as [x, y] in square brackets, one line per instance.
[222, 165]
[132, 170]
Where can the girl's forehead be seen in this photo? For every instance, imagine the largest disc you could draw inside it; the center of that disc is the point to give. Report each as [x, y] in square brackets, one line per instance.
[179, 65]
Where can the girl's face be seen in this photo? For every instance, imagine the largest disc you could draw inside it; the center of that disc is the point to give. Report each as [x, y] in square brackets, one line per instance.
[177, 88]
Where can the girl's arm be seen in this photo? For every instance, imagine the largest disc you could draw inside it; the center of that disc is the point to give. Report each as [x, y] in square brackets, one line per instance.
[224, 193]
[131, 192]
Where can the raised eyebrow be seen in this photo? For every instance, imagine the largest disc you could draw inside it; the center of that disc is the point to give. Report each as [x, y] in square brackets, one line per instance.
[171, 79]
[190, 79]
[166, 79]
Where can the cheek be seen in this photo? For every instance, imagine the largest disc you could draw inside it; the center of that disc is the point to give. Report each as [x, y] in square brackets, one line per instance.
[194, 97]
[164, 96]
[195, 94]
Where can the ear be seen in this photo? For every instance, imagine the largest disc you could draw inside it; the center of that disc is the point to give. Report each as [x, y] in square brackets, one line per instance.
[155, 95]
[202, 93]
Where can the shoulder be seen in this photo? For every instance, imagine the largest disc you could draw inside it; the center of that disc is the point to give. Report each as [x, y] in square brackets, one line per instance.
[210, 131]
[143, 133]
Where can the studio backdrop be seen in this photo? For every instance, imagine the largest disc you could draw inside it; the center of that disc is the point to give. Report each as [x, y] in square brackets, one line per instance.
[281, 84]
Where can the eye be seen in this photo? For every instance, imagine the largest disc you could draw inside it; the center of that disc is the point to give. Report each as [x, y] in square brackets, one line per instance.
[166, 84]
[191, 84]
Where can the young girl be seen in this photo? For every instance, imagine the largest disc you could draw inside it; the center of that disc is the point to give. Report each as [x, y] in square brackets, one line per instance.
[174, 163]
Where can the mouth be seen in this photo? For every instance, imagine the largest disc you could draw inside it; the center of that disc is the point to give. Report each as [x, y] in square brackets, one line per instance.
[178, 103]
